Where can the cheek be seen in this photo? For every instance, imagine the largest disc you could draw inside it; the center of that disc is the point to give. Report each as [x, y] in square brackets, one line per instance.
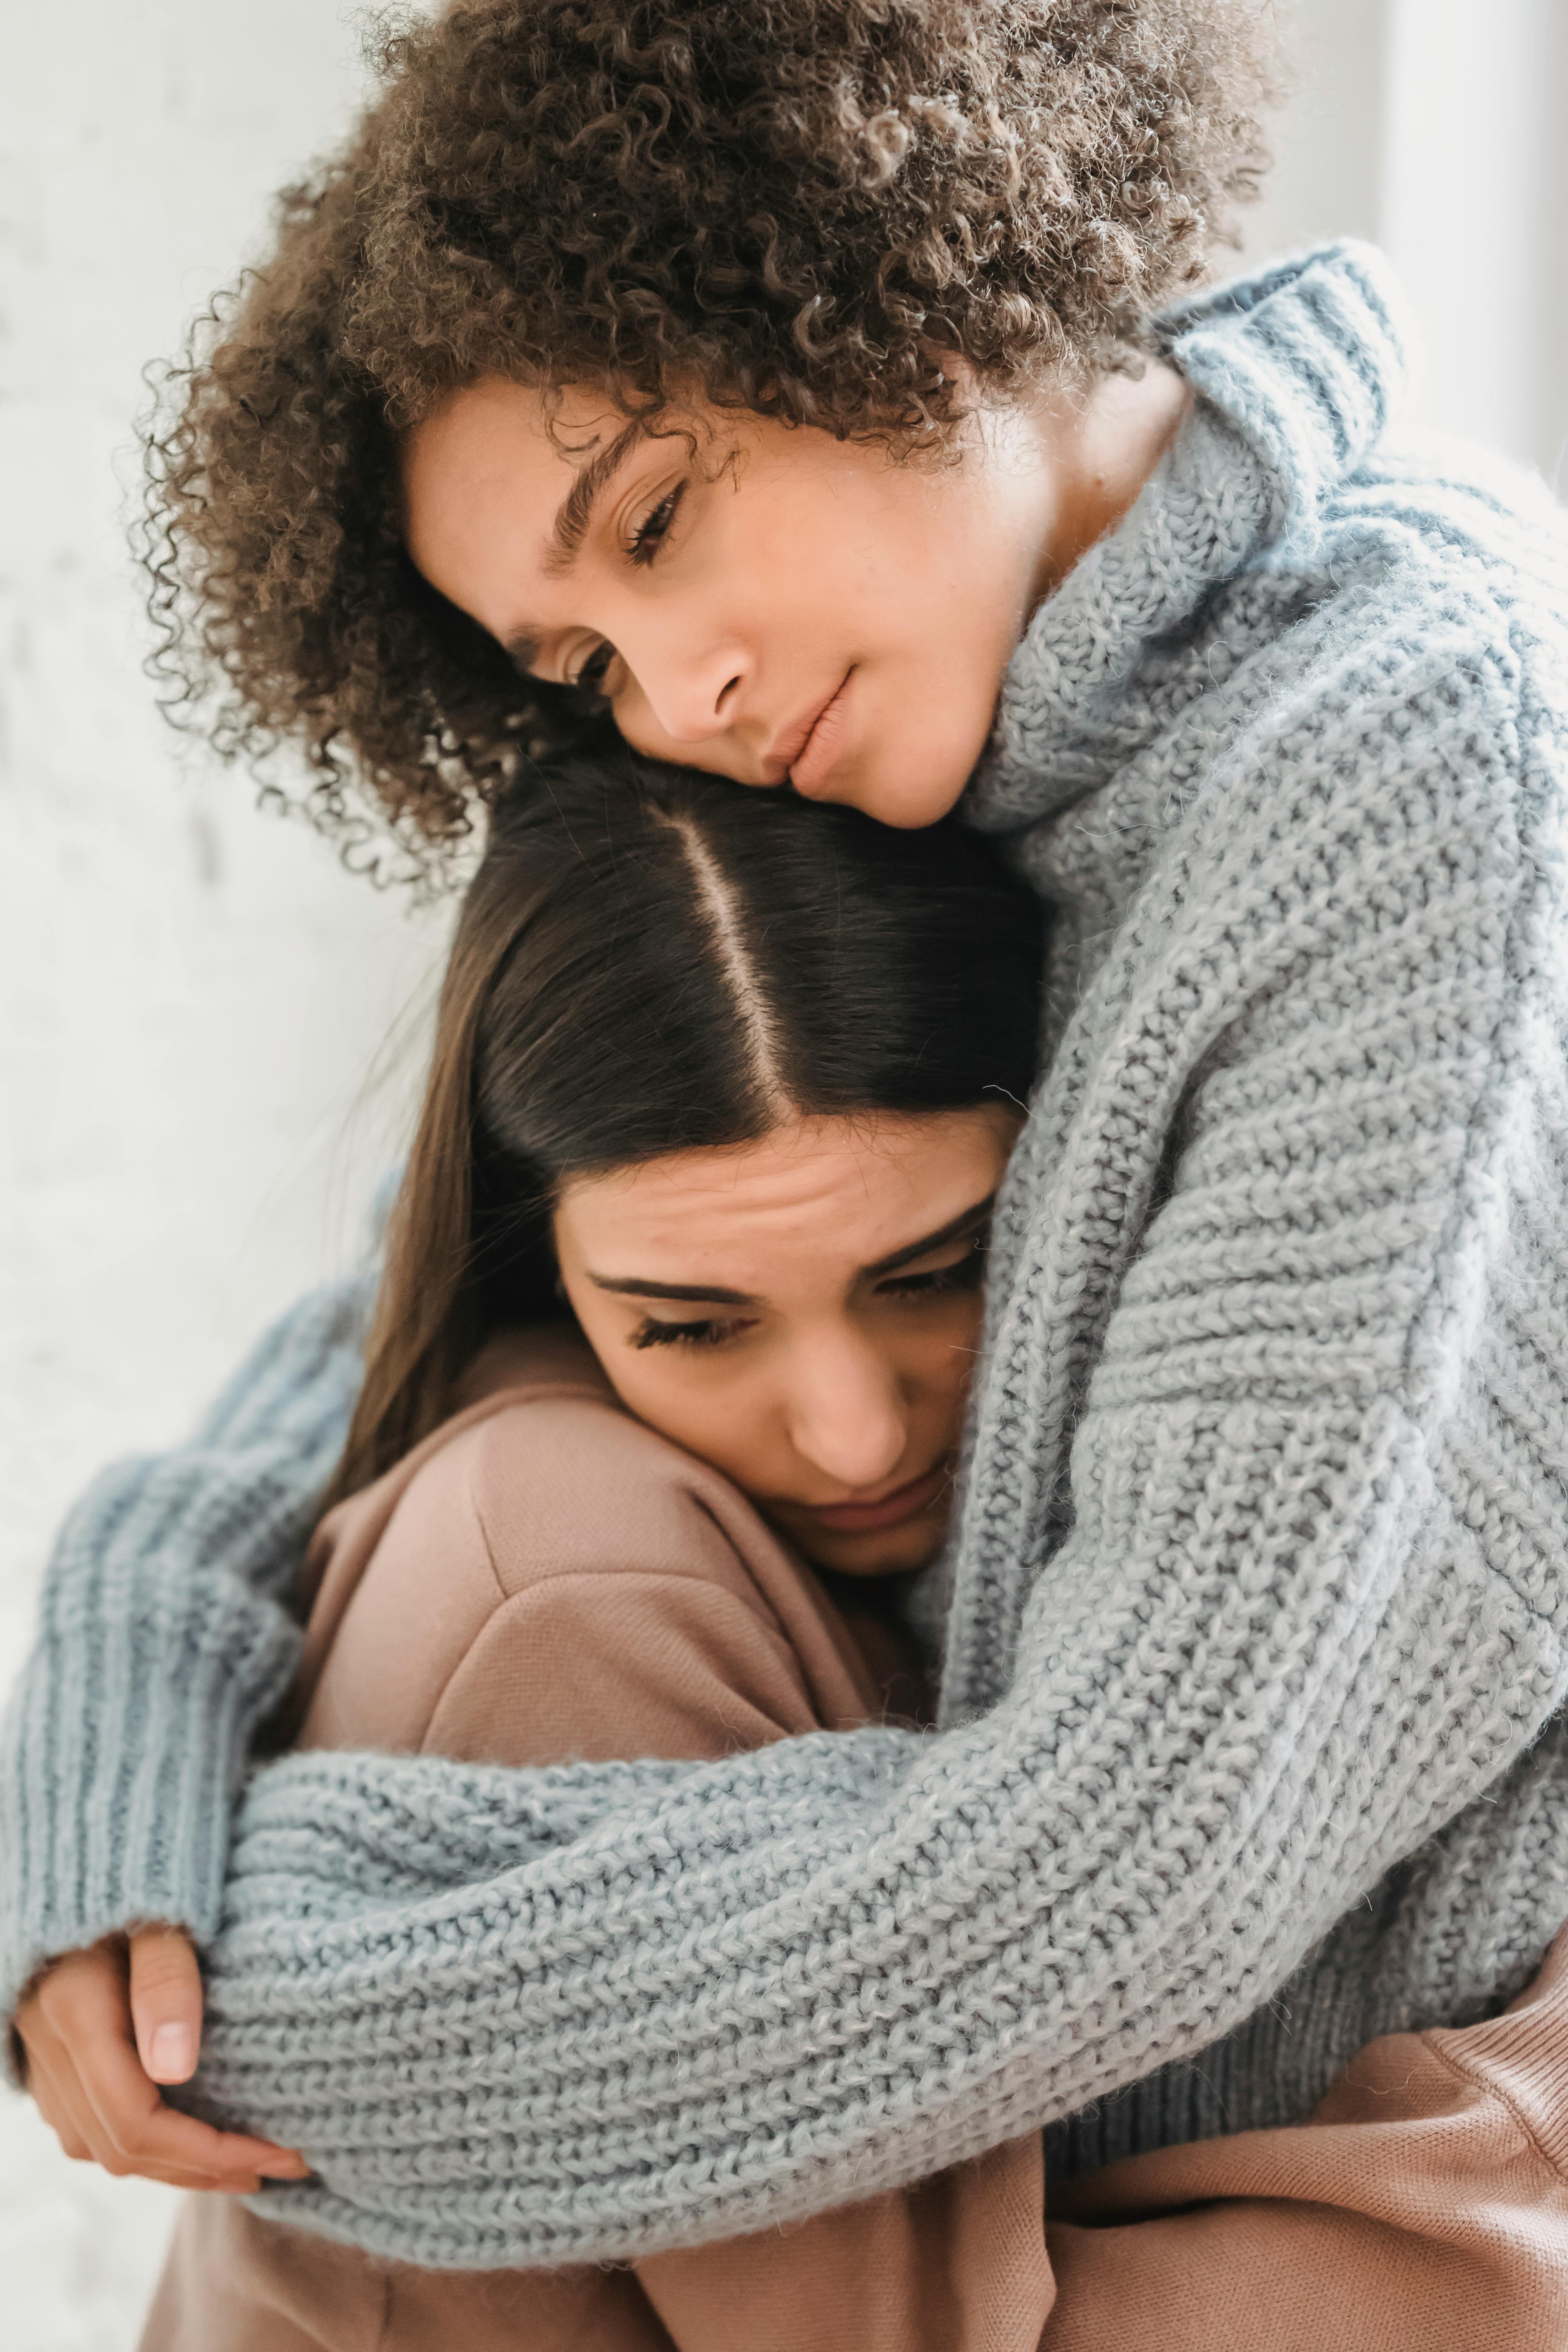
[830, 559]
[930, 704]
[937, 1367]
[943, 573]
[697, 1404]
[963, 1346]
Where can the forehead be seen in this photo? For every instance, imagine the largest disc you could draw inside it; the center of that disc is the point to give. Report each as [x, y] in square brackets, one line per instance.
[493, 414]
[499, 486]
[813, 1201]
[493, 444]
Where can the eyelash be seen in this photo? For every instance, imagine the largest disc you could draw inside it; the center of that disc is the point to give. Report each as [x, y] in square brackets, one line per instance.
[654, 528]
[646, 540]
[590, 679]
[963, 1274]
[713, 1331]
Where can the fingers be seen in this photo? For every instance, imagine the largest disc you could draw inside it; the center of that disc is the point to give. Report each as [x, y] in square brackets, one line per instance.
[166, 2003]
[92, 2089]
[64, 2108]
[142, 2131]
[60, 2103]
[55, 2106]
[136, 2129]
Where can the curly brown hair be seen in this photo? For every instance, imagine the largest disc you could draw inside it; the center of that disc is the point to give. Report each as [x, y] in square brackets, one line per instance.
[791, 207]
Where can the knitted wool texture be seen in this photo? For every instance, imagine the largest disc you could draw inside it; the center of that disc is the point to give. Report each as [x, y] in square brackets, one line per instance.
[1256, 1610]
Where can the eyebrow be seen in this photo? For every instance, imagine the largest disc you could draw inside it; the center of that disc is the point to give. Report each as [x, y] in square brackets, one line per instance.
[570, 528]
[951, 1231]
[575, 511]
[691, 1294]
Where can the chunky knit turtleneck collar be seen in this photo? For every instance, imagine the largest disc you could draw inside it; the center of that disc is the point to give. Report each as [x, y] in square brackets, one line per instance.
[1296, 372]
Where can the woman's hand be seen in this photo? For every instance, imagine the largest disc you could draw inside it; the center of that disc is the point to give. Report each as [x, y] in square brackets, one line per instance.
[102, 2030]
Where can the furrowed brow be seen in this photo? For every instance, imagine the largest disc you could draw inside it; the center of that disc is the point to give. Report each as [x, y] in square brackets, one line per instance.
[952, 1230]
[691, 1294]
[575, 511]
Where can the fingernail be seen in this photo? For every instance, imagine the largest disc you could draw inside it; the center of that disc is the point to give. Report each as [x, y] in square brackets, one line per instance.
[285, 2168]
[173, 2055]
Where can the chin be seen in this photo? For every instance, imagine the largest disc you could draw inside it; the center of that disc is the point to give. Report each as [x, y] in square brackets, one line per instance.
[893, 1555]
[902, 810]
[909, 793]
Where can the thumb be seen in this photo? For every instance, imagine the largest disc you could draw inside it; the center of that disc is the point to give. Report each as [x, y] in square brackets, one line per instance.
[166, 2002]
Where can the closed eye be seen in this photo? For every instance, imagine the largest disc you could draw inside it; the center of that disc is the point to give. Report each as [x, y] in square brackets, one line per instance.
[966, 1273]
[712, 1332]
[590, 679]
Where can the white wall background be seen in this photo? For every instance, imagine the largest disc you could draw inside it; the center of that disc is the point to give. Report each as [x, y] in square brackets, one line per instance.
[196, 997]
[194, 994]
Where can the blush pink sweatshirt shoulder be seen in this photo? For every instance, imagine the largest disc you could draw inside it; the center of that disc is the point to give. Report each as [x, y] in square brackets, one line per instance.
[545, 1578]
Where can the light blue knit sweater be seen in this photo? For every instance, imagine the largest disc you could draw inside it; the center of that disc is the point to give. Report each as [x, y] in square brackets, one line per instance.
[1258, 1610]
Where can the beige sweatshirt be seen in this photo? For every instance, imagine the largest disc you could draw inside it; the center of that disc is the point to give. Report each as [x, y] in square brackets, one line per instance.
[545, 1578]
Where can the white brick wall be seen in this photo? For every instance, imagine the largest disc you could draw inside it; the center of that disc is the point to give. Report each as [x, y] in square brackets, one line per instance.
[194, 996]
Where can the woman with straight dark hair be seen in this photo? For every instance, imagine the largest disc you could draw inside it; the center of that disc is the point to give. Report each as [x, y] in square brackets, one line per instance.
[659, 1421]
[846, 974]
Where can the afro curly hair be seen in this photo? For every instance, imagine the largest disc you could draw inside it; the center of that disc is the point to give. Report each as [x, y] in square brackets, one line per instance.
[792, 205]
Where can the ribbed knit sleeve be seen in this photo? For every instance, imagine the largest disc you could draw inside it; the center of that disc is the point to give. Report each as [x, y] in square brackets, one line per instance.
[164, 1638]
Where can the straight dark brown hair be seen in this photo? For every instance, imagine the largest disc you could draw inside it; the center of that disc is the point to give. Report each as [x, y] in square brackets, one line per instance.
[651, 960]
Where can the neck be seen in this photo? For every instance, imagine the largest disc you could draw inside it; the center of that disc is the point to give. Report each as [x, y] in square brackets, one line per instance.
[1100, 449]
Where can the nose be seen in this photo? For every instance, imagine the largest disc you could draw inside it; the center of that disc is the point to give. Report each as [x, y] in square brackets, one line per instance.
[691, 691]
[848, 1412]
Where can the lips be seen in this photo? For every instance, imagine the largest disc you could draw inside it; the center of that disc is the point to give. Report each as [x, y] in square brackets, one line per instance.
[799, 749]
[810, 768]
[887, 1511]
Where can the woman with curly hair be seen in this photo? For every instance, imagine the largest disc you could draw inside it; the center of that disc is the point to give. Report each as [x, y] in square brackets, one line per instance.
[833, 393]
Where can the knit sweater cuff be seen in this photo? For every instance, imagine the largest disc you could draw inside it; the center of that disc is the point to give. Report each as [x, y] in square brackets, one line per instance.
[121, 1756]
[165, 1636]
